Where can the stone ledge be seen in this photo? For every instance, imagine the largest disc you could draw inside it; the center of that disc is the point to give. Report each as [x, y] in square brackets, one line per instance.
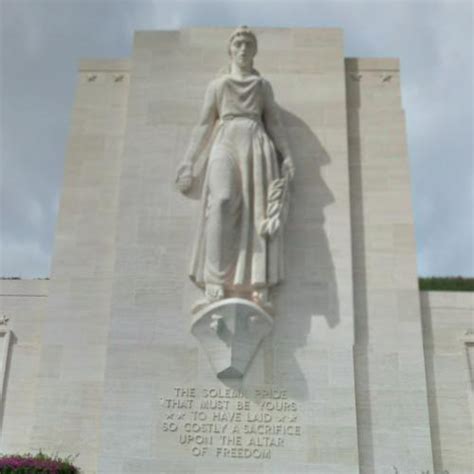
[107, 65]
[447, 299]
[24, 288]
[372, 64]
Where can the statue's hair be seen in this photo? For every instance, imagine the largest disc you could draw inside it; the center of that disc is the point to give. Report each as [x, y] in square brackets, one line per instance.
[243, 31]
[240, 31]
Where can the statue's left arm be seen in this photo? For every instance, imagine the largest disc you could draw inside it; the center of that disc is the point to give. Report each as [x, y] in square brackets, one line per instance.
[276, 131]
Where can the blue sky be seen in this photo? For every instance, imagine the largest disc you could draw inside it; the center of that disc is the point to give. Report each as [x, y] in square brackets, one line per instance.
[42, 42]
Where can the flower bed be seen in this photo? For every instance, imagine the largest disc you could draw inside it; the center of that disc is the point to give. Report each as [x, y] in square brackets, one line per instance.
[36, 464]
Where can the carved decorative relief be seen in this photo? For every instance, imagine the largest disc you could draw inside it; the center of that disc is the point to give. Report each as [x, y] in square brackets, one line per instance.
[468, 337]
[356, 76]
[230, 332]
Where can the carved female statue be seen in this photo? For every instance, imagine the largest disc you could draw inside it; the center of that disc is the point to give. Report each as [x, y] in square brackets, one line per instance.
[232, 255]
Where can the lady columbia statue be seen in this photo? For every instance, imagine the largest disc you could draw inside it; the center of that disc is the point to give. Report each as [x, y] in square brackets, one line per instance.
[238, 247]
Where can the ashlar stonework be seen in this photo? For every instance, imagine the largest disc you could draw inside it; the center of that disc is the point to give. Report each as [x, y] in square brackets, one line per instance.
[353, 376]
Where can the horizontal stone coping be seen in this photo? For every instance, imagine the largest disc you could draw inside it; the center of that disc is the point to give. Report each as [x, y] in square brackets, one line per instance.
[106, 65]
[447, 299]
[372, 64]
[283, 31]
[26, 288]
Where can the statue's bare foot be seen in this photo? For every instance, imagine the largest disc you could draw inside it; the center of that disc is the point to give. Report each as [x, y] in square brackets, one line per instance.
[212, 294]
[261, 298]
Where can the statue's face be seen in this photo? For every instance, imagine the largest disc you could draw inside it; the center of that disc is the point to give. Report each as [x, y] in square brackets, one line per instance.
[242, 51]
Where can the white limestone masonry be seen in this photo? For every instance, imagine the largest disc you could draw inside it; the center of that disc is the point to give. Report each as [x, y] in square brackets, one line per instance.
[392, 411]
[150, 349]
[68, 401]
[448, 327]
[353, 378]
[23, 302]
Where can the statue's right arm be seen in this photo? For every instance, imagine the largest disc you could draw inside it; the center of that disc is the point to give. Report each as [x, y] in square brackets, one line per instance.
[199, 138]
[202, 131]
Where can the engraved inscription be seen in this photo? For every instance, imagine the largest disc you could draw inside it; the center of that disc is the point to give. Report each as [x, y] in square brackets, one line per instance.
[222, 422]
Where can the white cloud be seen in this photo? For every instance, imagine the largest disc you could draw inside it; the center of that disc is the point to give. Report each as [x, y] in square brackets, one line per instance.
[42, 42]
[25, 259]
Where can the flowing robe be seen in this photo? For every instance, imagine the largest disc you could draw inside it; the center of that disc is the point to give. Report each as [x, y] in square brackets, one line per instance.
[242, 163]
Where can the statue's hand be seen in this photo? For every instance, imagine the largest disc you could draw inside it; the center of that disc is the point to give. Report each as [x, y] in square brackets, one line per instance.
[184, 178]
[288, 168]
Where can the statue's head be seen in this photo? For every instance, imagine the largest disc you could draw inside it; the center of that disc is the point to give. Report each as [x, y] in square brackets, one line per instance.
[242, 46]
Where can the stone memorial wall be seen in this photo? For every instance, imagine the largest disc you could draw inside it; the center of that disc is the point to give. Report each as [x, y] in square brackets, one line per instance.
[350, 375]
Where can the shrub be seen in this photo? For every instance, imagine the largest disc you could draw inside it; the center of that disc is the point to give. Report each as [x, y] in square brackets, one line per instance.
[446, 284]
[36, 464]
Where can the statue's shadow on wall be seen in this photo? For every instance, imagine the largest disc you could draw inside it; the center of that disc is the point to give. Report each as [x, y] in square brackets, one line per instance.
[309, 291]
